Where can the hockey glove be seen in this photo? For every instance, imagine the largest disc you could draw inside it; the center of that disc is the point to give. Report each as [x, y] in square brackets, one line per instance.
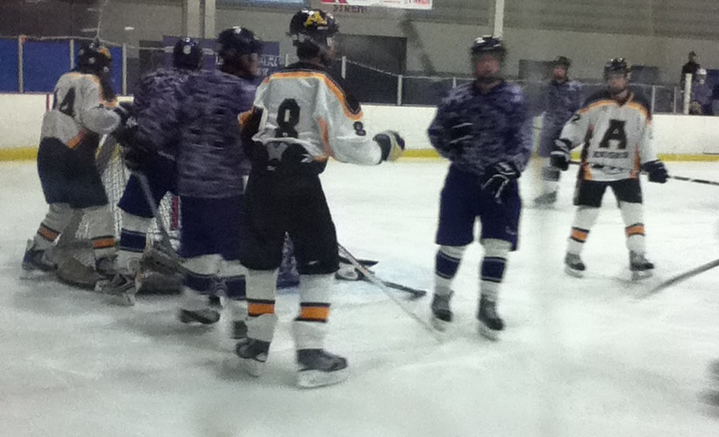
[559, 158]
[136, 157]
[124, 110]
[656, 170]
[497, 177]
[391, 143]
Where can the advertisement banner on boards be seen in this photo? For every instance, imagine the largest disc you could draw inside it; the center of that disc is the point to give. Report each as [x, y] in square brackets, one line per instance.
[399, 4]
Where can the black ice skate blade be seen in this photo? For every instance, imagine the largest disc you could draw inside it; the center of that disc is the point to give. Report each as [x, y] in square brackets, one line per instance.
[319, 378]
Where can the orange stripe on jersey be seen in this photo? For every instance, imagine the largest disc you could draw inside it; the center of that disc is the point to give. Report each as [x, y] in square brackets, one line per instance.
[103, 243]
[47, 233]
[637, 229]
[637, 166]
[586, 171]
[76, 140]
[315, 313]
[597, 104]
[642, 109]
[325, 136]
[255, 309]
[579, 234]
[337, 91]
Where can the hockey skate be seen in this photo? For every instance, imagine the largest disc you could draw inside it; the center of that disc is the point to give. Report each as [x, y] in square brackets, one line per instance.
[441, 312]
[546, 199]
[573, 265]
[318, 368]
[640, 267]
[36, 260]
[239, 330]
[253, 354]
[490, 324]
[123, 288]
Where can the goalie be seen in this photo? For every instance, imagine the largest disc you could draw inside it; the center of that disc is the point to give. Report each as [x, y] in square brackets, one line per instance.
[84, 108]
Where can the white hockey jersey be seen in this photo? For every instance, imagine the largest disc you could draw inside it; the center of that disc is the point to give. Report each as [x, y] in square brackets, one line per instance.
[79, 107]
[302, 105]
[617, 136]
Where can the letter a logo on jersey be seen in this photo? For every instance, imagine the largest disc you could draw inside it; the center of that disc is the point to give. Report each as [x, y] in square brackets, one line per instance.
[615, 132]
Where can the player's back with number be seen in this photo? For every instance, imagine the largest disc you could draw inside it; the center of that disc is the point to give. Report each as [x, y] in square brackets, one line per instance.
[79, 108]
[305, 106]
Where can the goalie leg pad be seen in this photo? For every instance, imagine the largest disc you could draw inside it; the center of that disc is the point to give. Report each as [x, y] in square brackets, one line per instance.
[55, 221]
[100, 230]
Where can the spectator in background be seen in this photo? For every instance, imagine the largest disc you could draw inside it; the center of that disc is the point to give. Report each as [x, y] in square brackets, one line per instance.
[690, 67]
[701, 100]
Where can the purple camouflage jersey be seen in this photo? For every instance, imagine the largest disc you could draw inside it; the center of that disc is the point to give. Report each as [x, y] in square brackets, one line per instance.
[211, 160]
[561, 101]
[155, 106]
[500, 131]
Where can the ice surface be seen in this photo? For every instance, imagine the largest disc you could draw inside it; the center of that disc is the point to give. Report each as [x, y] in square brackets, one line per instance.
[579, 357]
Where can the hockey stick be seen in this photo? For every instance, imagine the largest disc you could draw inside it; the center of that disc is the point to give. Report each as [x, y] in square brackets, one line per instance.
[368, 275]
[381, 284]
[170, 260]
[682, 277]
[679, 178]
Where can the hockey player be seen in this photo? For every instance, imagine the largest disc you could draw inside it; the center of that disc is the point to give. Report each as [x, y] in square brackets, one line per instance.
[562, 98]
[152, 152]
[301, 117]
[211, 164]
[82, 112]
[616, 128]
[483, 128]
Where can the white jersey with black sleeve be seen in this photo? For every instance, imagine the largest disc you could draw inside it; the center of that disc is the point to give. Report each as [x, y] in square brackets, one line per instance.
[79, 108]
[303, 106]
[617, 136]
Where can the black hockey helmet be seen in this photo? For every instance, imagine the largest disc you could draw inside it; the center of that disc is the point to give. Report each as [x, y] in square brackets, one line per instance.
[488, 44]
[563, 61]
[616, 66]
[187, 54]
[94, 58]
[312, 27]
[237, 41]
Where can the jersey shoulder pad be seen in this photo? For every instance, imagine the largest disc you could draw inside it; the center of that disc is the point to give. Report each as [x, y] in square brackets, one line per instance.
[597, 97]
[641, 100]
